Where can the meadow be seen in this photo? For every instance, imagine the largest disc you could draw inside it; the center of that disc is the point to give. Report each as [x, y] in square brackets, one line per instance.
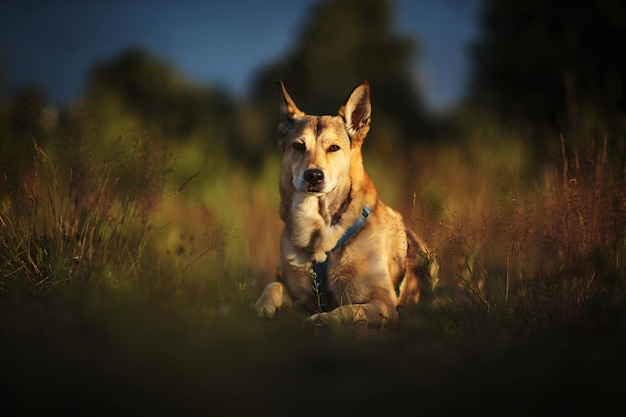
[129, 263]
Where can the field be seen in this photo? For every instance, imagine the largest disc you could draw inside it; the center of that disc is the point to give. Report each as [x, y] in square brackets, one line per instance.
[129, 262]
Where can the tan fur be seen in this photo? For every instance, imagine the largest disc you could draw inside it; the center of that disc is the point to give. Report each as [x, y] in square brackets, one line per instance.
[323, 189]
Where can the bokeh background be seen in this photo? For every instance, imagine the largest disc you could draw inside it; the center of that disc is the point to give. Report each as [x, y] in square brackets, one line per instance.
[220, 43]
[139, 195]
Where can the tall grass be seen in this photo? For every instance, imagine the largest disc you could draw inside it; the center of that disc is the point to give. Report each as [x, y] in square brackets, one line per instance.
[527, 253]
[583, 239]
[127, 276]
[521, 245]
[76, 228]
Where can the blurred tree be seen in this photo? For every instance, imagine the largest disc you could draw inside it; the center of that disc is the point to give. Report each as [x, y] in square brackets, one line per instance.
[539, 62]
[4, 85]
[155, 92]
[20, 125]
[343, 43]
[25, 112]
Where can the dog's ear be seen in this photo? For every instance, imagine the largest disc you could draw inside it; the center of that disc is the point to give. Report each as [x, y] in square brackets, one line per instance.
[288, 113]
[357, 111]
[288, 109]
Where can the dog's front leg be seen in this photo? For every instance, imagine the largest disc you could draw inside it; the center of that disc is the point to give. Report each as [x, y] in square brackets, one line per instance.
[273, 297]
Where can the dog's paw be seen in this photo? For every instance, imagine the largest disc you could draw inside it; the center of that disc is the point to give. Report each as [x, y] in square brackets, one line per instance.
[274, 297]
[316, 319]
[322, 319]
[265, 310]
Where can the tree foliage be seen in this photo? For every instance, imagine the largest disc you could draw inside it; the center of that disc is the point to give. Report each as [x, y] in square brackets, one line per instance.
[343, 43]
[340, 44]
[538, 61]
[160, 96]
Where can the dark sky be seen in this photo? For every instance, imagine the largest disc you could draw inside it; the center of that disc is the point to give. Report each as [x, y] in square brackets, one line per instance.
[55, 42]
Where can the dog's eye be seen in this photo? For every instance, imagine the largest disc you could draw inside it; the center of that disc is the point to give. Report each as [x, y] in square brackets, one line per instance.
[333, 148]
[298, 146]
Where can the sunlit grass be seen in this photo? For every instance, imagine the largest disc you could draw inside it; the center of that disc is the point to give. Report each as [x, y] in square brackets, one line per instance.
[130, 274]
[518, 243]
[73, 228]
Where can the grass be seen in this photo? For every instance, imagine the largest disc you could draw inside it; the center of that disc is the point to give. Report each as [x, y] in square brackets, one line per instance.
[127, 276]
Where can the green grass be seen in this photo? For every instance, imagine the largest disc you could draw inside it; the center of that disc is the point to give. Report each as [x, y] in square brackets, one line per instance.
[127, 276]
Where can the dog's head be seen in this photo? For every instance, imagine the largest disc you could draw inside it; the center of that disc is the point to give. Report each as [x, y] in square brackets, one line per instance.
[317, 150]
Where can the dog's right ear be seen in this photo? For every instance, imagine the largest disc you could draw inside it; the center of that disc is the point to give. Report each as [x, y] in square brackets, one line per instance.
[288, 109]
[289, 112]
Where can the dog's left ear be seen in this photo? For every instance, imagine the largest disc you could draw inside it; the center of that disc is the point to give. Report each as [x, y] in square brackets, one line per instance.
[357, 111]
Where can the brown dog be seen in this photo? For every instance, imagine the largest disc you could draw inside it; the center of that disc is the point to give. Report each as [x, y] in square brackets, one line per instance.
[345, 255]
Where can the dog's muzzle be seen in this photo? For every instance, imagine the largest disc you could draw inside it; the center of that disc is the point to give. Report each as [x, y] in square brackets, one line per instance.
[313, 180]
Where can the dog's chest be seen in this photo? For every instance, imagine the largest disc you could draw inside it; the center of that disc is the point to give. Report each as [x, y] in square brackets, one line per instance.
[308, 209]
[306, 222]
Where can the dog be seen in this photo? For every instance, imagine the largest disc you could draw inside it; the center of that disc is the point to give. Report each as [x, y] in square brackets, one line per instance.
[344, 254]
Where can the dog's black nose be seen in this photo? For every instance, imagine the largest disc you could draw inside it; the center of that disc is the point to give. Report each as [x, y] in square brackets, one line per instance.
[314, 176]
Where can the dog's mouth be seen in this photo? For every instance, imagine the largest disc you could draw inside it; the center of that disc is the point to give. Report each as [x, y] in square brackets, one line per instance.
[313, 189]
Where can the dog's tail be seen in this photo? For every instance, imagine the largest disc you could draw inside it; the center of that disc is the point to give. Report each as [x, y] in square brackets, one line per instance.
[422, 271]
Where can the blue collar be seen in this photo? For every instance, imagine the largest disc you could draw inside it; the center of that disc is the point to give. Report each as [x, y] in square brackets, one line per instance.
[319, 271]
[352, 230]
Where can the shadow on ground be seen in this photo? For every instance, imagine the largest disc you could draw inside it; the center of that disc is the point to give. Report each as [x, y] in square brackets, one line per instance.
[118, 359]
